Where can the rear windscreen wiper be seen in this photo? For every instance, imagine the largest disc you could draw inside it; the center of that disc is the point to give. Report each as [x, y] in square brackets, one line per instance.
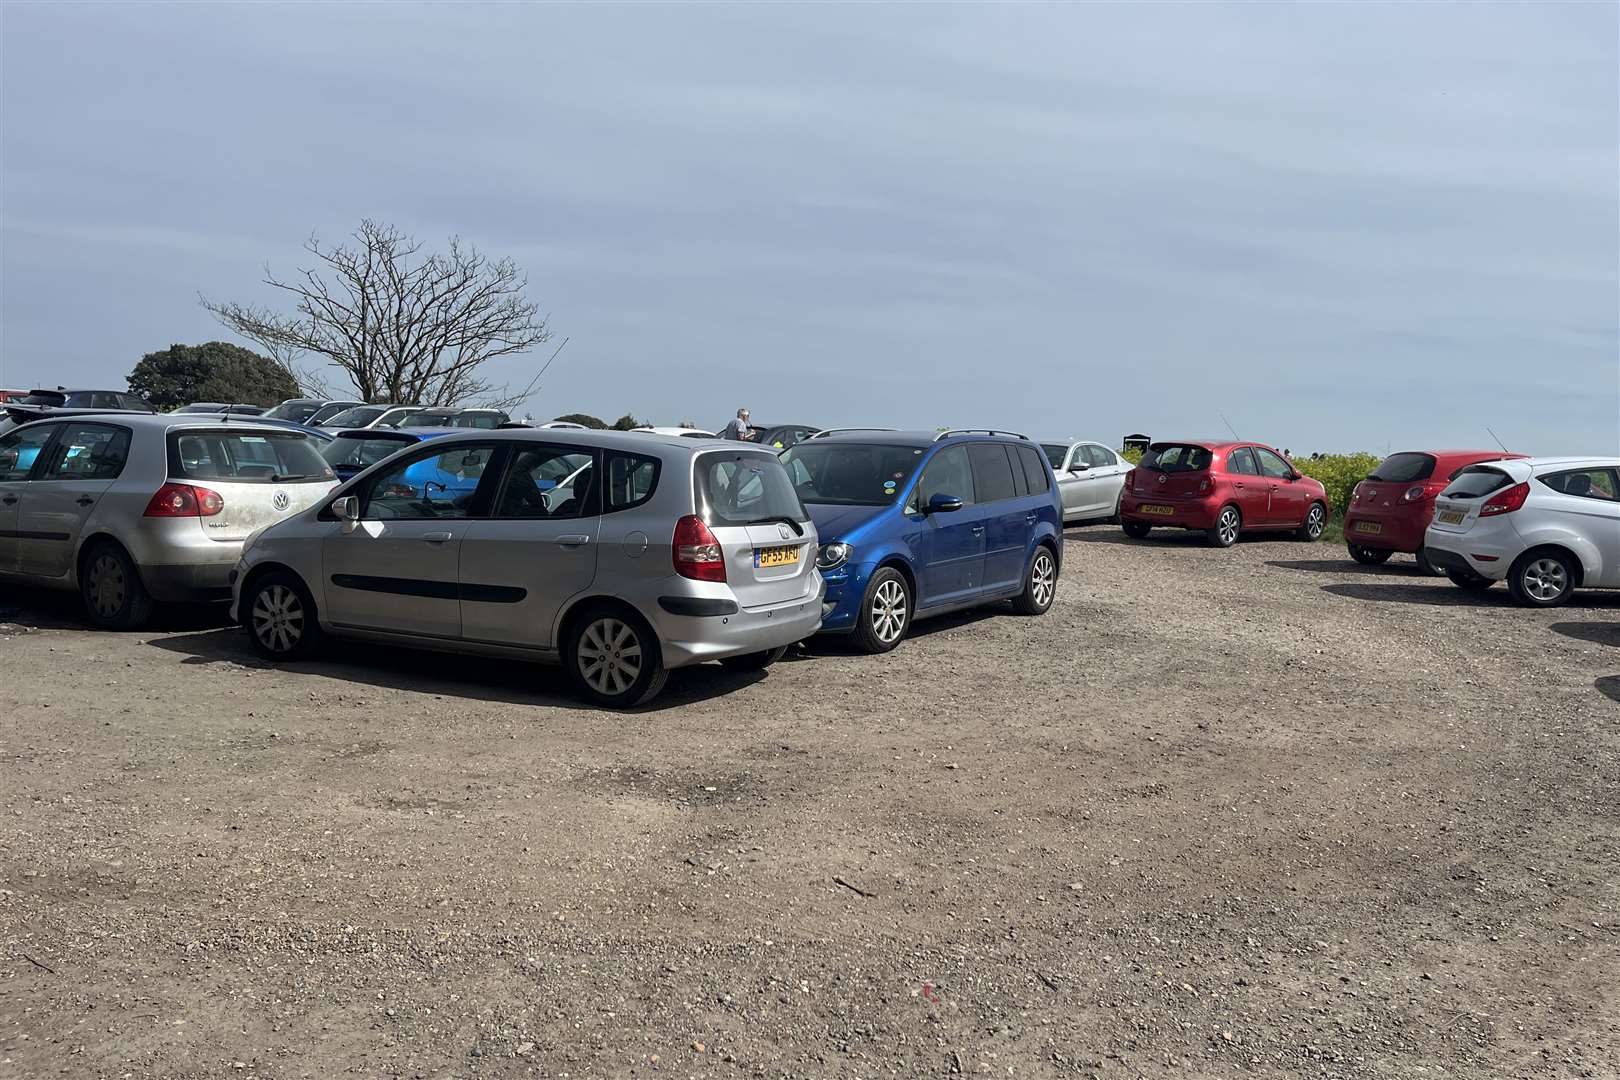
[280, 478]
[780, 519]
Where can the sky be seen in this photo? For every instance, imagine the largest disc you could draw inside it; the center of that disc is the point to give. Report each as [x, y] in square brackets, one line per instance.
[1340, 226]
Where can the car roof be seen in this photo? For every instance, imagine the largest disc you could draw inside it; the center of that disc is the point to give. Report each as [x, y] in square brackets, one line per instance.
[1539, 463]
[630, 441]
[170, 421]
[910, 438]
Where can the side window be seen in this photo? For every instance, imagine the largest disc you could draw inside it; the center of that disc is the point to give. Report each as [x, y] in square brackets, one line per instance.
[1101, 456]
[1584, 483]
[88, 452]
[438, 484]
[992, 472]
[1241, 461]
[549, 482]
[1271, 465]
[20, 449]
[1034, 470]
[631, 480]
[102, 399]
[947, 474]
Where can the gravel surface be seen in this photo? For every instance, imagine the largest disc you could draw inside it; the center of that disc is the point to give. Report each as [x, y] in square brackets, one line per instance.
[1256, 812]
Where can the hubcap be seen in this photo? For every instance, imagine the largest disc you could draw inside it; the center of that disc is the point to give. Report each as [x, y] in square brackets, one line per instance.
[889, 611]
[609, 656]
[1229, 526]
[107, 586]
[1043, 579]
[278, 618]
[1546, 579]
[1313, 522]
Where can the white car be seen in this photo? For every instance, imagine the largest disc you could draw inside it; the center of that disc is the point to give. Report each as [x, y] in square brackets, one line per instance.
[370, 416]
[1090, 478]
[677, 432]
[1546, 526]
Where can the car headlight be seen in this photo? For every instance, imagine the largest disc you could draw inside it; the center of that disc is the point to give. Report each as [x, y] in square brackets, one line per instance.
[833, 555]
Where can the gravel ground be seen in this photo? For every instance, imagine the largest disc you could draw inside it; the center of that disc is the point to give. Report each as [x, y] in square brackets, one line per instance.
[1256, 812]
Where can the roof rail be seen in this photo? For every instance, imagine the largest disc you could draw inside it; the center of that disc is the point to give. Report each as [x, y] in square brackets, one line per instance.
[842, 430]
[979, 431]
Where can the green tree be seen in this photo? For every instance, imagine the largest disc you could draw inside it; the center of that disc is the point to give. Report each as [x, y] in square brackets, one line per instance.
[214, 371]
[626, 422]
[583, 418]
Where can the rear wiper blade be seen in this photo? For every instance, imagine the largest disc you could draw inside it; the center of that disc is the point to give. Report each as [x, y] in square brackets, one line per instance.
[780, 519]
[283, 477]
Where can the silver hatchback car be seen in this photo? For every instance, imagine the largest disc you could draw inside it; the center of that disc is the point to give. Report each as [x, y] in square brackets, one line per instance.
[133, 508]
[618, 555]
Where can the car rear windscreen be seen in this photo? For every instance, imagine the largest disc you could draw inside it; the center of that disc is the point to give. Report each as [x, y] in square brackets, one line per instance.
[1404, 468]
[358, 453]
[1175, 458]
[44, 397]
[359, 416]
[746, 489]
[296, 411]
[1475, 482]
[849, 474]
[243, 457]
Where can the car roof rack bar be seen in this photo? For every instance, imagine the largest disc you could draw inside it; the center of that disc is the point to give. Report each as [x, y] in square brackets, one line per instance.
[979, 431]
[842, 430]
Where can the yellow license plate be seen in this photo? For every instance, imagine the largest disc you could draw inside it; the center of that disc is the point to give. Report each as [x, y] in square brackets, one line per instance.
[1152, 509]
[1452, 517]
[1372, 528]
[777, 556]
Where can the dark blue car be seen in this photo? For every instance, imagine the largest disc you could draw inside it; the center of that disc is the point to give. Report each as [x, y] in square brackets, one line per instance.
[914, 524]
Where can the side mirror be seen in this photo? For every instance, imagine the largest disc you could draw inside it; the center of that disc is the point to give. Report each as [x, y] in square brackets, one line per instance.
[347, 510]
[943, 504]
[1078, 466]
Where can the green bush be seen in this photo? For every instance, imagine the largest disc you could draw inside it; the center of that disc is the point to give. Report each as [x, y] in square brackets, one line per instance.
[1339, 473]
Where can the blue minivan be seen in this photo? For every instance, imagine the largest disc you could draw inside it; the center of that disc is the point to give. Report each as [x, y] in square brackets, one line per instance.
[914, 524]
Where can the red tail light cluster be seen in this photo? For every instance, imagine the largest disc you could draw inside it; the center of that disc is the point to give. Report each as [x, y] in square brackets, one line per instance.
[697, 553]
[1205, 484]
[1505, 502]
[184, 500]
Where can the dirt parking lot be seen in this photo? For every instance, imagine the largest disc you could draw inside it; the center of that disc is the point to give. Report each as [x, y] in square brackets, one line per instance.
[1256, 812]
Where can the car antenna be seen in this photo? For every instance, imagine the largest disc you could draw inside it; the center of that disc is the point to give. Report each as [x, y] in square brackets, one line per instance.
[1230, 428]
[1499, 442]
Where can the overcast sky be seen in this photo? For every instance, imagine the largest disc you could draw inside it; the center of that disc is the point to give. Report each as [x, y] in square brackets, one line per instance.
[1346, 226]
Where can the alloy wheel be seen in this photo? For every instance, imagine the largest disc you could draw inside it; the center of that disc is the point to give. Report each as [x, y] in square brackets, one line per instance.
[107, 586]
[278, 618]
[1228, 526]
[889, 612]
[609, 656]
[1043, 578]
[1314, 523]
[1545, 580]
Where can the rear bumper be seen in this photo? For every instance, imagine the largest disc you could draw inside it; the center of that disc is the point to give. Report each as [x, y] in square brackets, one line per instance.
[1184, 513]
[1394, 532]
[176, 584]
[1488, 552]
[692, 639]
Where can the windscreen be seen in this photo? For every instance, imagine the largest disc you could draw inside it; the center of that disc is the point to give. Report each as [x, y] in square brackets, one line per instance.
[428, 418]
[359, 416]
[245, 457]
[746, 489]
[850, 474]
[296, 411]
[1175, 458]
[353, 452]
[1055, 453]
[1475, 482]
[325, 413]
[1404, 468]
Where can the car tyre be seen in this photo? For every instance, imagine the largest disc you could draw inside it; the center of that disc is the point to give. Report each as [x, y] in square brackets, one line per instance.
[885, 613]
[614, 658]
[1542, 578]
[114, 596]
[1136, 530]
[1426, 567]
[1040, 584]
[1228, 527]
[754, 661]
[1315, 523]
[1367, 556]
[1465, 579]
[278, 616]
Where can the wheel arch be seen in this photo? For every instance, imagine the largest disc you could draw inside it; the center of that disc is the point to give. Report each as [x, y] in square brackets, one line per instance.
[87, 544]
[576, 608]
[259, 570]
[1566, 549]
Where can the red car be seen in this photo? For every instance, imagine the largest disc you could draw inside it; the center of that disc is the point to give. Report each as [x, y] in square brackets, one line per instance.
[1223, 489]
[12, 395]
[1391, 509]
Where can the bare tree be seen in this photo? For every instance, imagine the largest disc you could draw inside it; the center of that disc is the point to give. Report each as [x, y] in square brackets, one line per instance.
[405, 327]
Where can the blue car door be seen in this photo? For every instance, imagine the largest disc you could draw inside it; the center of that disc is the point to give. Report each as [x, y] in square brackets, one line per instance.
[1003, 513]
[952, 544]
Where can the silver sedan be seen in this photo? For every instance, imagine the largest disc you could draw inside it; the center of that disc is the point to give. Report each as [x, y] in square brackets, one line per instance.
[1090, 478]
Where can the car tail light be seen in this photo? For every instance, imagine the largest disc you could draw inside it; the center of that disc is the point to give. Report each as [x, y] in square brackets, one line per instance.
[1130, 480]
[1413, 494]
[697, 552]
[1205, 484]
[1505, 502]
[184, 500]
[1358, 491]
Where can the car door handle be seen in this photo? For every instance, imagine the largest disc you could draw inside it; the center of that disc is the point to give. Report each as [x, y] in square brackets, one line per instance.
[9, 500]
[1030, 517]
[977, 529]
[438, 538]
[85, 500]
[573, 540]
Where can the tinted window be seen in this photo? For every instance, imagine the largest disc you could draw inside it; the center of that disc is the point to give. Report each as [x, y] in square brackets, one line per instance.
[850, 474]
[245, 457]
[948, 473]
[88, 452]
[1241, 462]
[1476, 482]
[358, 452]
[1404, 468]
[356, 417]
[440, 484]
[428, 418]
[631, 480]
[1272, 465]
[20, 449]
[1096, 456]
[992, 472]
[1055, 453]
[548, 482]
[1172, 459]
[1034, 470]
[1583, 483]
[740, 489]
[326, 413]
[484, 420]
[296, 411]
[105, 399]
[132, 402]
[45, 397]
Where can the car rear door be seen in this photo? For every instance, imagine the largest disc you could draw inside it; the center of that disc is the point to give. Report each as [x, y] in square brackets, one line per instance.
[1587, 502]
[1110, 472]
[1001, 512]
[952, 544]
[79, 467]
[1074, 481]
[536, 550]
[1251, 491]
[766, 534]
[21, 454]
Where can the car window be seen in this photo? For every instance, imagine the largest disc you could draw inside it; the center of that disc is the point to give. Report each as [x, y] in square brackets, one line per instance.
[88, 452]
[1055, 453]
[740, 489]
[428, 418]
[1241, 462]
[1583, 483]
[21, 448]
[1096, 456]
[1175, 458]
[548, 482]
[104, 399]
[631, 480]
[45, 397]
[360, 452]
[486, 421]
[1404, 468]
[357, 417]
[850, 474]
[244, 457]
[1475, 482]
[947, 473]
[1034, 470]
[429, 485]
[992, 472]
[1272, 465]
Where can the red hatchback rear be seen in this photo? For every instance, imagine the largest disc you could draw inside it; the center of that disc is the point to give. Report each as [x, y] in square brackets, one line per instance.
[1221, 489]
[1391, 509]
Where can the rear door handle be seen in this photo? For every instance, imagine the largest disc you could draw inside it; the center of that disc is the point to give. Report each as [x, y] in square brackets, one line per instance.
[438, 538]
[977, 529]
[573, 540]
[9, 500]
[85, 500]
[1030, 517]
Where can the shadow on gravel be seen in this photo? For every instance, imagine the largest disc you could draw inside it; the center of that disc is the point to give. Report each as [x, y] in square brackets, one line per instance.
[839, 644]
[1443, 594]
[1349, 566]
[1600, 633]
[51, 609]
[1168, 538]
[1609, 687]
[476, 678]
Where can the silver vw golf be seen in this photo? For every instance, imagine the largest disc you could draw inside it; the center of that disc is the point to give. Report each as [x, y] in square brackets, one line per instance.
[619, 555]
